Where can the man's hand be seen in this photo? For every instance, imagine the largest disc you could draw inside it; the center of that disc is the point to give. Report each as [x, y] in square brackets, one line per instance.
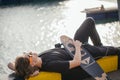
[77, 57]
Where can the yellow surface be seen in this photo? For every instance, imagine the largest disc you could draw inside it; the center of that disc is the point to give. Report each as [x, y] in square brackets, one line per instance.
[47, 76]
[108, 64]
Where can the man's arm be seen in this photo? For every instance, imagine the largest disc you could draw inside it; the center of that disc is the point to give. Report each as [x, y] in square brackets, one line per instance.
[77, 57]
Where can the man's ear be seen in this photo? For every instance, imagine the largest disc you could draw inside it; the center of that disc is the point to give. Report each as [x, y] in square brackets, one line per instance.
[33, 64]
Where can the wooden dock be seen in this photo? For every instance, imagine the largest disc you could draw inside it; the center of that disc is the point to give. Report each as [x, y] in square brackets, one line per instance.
[102, 13]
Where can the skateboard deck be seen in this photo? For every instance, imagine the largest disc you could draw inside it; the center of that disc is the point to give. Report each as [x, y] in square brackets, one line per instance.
[87, 61]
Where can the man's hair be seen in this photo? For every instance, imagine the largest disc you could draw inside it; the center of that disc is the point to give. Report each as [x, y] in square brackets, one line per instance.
[23, 67]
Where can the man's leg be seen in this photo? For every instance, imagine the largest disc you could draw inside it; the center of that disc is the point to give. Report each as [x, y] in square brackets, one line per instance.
[101, 51]
[86, 30]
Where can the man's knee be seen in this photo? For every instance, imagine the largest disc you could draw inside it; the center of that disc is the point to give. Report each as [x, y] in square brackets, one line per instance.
[90, 19]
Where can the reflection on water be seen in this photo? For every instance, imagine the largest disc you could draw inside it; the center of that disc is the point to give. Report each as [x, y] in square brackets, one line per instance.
[110, 33]
[38, 27]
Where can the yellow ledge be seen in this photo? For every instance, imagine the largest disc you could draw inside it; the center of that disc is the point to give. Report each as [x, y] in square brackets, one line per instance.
[108, 64]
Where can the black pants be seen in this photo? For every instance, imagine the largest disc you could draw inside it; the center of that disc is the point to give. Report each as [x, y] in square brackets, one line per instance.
[88, 29]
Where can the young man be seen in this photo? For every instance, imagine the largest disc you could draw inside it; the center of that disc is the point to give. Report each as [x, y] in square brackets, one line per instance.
[58, 60]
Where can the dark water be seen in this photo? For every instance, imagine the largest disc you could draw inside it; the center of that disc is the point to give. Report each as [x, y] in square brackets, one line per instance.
[38, 27]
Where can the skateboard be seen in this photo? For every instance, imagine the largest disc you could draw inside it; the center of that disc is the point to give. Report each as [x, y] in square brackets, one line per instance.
[87, 61]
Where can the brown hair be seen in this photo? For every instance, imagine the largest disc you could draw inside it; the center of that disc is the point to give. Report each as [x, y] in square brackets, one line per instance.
[23, 67]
